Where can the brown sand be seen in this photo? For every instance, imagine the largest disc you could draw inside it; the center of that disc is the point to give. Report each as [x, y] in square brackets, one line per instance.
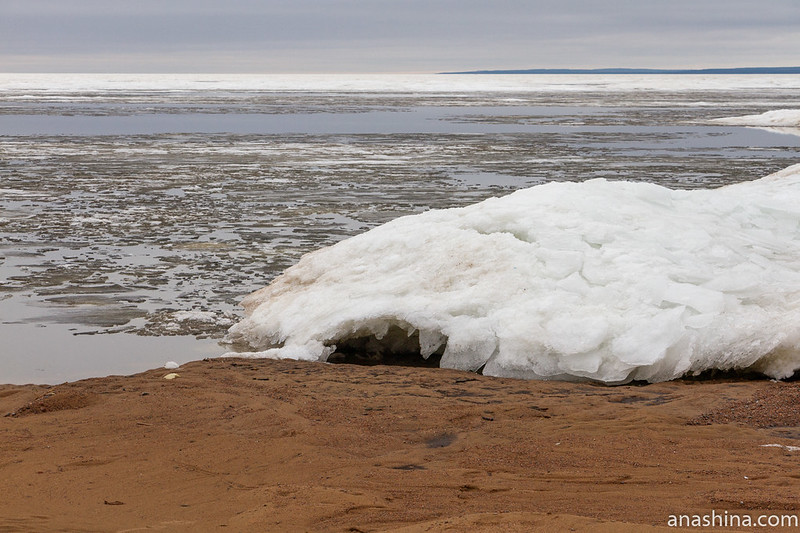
[240, 445]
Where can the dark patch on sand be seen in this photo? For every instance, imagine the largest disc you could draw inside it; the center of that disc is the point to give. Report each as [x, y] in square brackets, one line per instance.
[774, 405]
[441, 441]
[56, 400]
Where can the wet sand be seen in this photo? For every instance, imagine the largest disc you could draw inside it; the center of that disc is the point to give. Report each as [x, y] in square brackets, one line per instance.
[258, 445]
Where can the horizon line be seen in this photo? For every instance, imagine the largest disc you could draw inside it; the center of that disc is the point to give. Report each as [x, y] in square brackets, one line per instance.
[626, 70]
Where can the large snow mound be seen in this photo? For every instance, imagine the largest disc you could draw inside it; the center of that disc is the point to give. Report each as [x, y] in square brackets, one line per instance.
[600, 280]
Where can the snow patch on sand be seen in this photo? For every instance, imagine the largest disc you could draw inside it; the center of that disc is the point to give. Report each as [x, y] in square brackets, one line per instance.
[783, 446]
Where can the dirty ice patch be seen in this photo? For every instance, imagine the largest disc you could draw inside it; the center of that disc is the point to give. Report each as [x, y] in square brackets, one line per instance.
[600, 280]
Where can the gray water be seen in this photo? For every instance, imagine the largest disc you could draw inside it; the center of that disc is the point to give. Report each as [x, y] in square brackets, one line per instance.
[132, 222]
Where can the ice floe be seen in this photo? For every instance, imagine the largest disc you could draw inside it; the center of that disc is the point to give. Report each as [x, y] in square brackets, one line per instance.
[786, 121]
[778, 117]
[600, 280]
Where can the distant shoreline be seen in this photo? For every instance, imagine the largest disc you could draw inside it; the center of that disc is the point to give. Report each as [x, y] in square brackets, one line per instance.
[742, 70]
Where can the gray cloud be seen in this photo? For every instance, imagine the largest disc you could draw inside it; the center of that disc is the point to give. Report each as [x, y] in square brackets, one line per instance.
[384, 35]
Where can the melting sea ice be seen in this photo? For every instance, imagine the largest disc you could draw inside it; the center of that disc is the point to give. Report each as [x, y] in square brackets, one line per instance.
[145, 207]
[605, 280]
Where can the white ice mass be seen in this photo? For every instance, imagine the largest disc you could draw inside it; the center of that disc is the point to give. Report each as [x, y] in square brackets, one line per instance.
[785, 121]
[600, 280]
[776, 118]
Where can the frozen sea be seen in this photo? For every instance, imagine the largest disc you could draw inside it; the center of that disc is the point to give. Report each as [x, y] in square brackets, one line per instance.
[137, 210]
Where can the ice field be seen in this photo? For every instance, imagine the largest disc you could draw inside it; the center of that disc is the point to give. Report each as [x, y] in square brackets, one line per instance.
[136, 211]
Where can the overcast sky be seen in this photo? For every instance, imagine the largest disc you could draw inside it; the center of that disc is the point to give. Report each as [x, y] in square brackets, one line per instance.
[277, 36]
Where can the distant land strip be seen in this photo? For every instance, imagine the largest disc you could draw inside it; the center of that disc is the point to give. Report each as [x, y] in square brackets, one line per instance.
[742, 70]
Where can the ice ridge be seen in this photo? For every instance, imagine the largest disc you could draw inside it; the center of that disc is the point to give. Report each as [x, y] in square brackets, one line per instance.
[598, 280]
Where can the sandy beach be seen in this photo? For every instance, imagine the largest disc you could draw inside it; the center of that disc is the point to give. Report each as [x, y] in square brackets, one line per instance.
[261, 445]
